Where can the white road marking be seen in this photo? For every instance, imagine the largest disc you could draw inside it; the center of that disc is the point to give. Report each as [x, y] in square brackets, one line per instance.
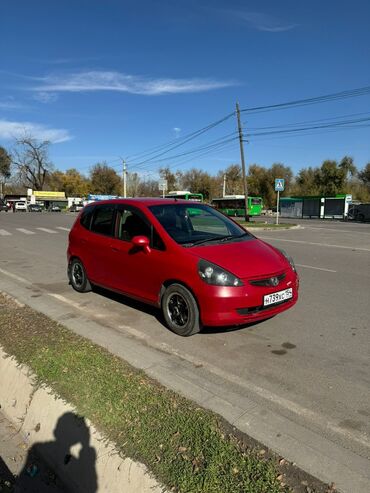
[63, 299]
[316, 244]
[4, 233]
[14, 276]
[63, 229]
[25, 231]
[338, 230]
[316, 268]
[46, 230]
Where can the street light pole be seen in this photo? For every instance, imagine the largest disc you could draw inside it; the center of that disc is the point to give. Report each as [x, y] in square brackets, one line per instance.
[241, 142]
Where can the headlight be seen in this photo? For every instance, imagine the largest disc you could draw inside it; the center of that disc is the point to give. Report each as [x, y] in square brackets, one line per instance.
[213, 274]
[289, 259]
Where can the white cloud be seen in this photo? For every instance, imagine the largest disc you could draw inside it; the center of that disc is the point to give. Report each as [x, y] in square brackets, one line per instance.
[262, 22]
[45, 97]
[10, 130]
[9, 103]
[115, 81]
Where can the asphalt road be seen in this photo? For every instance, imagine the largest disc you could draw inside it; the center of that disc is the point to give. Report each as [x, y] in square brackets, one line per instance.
[310, 365]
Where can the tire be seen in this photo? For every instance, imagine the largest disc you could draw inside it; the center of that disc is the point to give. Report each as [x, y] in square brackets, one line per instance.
[360, 217]
[77, 276]
[180, 311]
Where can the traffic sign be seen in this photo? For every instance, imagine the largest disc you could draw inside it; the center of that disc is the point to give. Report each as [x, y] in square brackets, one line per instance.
[279, 184]
[162, 185]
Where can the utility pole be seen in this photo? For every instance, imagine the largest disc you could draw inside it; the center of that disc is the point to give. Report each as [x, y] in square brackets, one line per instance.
[245, 186]
[224, 187]
[124, 176]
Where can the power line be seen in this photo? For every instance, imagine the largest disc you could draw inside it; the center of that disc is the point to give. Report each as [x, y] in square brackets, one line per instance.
[209, 145]
[362, 91]
[180, 142]
[312, 127]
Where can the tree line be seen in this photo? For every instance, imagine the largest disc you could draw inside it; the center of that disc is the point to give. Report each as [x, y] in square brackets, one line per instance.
[28, 166]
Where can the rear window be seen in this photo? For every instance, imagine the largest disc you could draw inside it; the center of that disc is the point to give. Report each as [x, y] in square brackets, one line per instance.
[86, 216]
[102, 222]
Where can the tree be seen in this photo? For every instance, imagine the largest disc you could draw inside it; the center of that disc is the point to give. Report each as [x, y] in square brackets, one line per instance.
[104, 180]
[261, 181]
[234, 179]
[307, 182]
[5, 162]
[198, 181]
[30, 156]
[148, 188]
[72, 182]
[331, 178]
[348, 167]
[172, 178]
[364, 176]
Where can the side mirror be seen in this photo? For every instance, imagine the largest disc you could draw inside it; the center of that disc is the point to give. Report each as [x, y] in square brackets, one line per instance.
[141, 242]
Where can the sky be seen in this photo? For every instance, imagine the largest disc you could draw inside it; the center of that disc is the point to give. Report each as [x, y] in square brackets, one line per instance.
[116, 79]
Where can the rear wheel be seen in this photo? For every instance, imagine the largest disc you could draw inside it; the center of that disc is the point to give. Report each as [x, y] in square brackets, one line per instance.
[77, 276]
[360, 217]
[180, 310]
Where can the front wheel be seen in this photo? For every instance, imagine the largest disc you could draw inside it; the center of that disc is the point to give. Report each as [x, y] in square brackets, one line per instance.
[77, 276]
[180, 310]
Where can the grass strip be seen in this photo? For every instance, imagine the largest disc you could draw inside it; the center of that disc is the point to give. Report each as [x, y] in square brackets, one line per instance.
[186, 447]
[266, 225]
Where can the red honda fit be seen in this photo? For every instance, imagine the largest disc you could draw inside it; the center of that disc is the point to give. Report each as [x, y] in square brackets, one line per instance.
[197, 265]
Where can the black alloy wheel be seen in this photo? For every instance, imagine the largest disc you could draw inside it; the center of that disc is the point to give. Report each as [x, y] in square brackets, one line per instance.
[180, 310]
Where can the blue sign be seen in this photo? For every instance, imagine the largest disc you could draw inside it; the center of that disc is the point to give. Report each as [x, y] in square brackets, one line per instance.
[102, 197]
[279, 184]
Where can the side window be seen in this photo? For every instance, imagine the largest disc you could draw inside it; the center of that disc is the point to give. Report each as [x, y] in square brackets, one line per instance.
[102, 222]
[86, 216]
[131, 224]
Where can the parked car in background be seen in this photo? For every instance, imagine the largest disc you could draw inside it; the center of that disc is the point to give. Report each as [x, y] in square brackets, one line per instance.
[76, 208]
[191, 261]
[55, 208]
[359, 212]
[35, 208]
[21, 205]
[4, 206]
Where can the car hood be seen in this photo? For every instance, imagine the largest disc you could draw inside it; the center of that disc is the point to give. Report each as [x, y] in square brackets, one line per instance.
[244, 259]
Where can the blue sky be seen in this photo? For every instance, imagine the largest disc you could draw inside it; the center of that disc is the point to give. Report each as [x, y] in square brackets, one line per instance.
[110, 79]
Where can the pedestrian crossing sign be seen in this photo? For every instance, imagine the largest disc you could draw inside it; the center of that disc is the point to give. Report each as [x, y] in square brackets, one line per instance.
[279, 184]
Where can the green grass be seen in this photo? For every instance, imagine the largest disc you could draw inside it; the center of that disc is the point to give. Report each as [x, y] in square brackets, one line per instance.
[186, 447]
[266, 225]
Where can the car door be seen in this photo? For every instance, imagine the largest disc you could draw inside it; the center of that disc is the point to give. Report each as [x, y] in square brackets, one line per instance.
[137, 272]
[100, 264]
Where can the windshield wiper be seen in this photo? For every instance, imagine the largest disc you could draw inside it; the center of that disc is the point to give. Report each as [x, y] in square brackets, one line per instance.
[216, 238]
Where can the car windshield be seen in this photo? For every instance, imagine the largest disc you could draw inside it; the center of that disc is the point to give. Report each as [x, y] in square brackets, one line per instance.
[197, 224]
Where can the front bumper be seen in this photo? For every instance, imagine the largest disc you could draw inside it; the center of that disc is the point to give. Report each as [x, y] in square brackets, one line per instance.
[223, 306]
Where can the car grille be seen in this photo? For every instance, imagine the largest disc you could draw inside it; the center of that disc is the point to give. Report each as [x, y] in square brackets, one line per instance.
[255, 309]
[268, 281]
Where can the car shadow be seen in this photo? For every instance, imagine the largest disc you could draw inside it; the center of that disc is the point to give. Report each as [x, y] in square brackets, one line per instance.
[157, 313]
[233, 328]
[130, 302]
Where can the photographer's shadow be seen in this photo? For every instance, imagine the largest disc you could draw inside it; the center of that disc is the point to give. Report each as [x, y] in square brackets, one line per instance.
[69, 456]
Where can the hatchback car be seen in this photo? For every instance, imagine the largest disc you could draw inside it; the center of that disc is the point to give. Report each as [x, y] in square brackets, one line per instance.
[21, 205]
[199, 266]
[35, 208]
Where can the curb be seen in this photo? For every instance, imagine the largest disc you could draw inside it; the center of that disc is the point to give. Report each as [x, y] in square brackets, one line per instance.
[82, 457]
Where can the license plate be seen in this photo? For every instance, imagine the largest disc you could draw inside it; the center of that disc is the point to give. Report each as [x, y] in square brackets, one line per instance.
[278, 297]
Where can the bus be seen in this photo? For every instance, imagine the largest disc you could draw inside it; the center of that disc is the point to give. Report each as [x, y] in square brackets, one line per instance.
[234, 205]
[185, 195]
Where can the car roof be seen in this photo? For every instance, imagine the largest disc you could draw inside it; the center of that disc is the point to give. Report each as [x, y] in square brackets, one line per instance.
[143, 201]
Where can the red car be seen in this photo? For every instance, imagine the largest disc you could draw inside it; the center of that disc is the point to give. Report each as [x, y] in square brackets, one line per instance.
[199, 266]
